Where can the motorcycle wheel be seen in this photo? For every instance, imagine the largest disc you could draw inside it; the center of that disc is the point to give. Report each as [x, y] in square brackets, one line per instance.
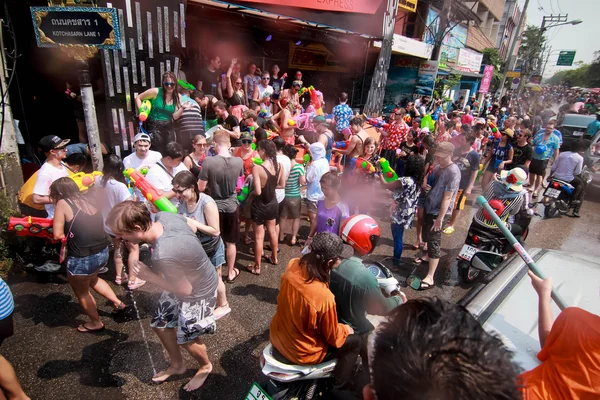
[466, 273]
[550, 210]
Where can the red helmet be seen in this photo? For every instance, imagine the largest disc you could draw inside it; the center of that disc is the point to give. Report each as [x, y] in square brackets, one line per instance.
[361, 232]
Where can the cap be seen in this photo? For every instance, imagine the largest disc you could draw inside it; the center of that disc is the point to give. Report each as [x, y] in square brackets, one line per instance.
[480, 121]
[142, 136]
[319, 119]
[52, 142]
[514, 178]
[509, 132]
[328, 246]
[503, 109]
[246, 136]
[492, 117]
[425, 130]
[444, 149]
[297, 83]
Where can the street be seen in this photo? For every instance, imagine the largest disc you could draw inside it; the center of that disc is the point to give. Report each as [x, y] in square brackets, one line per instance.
[54, 361]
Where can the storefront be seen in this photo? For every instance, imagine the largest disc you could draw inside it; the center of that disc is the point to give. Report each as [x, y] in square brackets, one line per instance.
[468, 67]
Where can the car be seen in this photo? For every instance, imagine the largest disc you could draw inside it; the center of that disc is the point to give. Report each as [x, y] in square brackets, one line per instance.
[505, 303]
[573, 127]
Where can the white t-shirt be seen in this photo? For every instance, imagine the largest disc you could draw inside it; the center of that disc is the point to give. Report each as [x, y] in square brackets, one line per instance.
[133, 161]
[286, 164]
[161, 180]
[113, 193]
[46, 175]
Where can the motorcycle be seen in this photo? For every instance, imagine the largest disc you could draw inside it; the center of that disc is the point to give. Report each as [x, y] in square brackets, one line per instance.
[481, 239]
[558, 195]
[289, 381]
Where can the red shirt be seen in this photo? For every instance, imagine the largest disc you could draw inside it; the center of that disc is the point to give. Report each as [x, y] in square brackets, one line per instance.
[398, 131]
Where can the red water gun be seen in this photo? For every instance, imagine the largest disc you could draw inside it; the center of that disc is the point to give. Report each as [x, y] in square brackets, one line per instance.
[377, 123]
[314, 99]
[31, 226]
[149, 191]
[363, 165]
[342, 145]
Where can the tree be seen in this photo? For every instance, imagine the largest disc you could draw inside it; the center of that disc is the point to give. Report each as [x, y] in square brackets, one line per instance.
[571, 77]
[491, 56]
[530, 51]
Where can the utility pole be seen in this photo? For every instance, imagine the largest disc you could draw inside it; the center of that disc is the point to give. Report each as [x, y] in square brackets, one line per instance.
[513, 43]
[89, 112]
[11, 175]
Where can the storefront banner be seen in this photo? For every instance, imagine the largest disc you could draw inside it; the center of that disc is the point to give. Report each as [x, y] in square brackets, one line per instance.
[350, 6]
[412, 47]
[426, 79]
[315, 57]
[469, 61]
[488, 73]
[401, 79]
[453, 41]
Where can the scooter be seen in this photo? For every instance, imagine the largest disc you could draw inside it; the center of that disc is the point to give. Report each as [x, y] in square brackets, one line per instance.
[482, 239]
[306, 382]
[558, 195]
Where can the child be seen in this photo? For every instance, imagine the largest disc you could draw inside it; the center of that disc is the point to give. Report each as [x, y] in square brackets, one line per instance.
[332, 210]
[290, 207]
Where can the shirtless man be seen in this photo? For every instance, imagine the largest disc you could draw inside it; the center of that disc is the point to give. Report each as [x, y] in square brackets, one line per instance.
[282, 118]
[355, 147]
[291, 95]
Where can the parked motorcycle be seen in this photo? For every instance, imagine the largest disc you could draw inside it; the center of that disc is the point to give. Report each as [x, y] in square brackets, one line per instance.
[307, 382]
[482, 239]
[558, 196]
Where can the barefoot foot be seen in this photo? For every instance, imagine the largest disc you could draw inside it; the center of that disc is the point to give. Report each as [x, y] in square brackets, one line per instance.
[198, 380]
[164, 375]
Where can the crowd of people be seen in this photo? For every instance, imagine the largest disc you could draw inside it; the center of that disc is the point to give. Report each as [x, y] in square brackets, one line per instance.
[204, 151]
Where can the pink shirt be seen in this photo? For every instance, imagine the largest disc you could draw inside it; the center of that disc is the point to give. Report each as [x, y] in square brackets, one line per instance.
[467, 119]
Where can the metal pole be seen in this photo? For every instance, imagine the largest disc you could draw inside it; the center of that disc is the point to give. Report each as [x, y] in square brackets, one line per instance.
[562, 304]
[513, 44]
[89, 111]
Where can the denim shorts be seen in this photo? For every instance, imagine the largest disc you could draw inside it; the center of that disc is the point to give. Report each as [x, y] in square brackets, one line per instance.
[218, 258]
[87, 266]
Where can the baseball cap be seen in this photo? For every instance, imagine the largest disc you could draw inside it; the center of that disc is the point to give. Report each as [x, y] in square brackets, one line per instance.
[480, 121]
[246, 136]
[297, 83]
[52, 142]
[328, 246]
[319, 119]
[444, 149]
[142, 136]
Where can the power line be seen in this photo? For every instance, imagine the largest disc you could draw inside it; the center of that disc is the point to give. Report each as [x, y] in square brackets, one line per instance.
[551, 7]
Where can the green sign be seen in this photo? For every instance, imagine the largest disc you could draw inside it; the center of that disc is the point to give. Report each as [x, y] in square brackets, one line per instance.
[257, 393]
[565, 58]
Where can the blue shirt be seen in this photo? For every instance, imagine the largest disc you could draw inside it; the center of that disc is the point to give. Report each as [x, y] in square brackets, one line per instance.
[593, 127]
[7, 304]
[552, 144]
[556, 132]
[342, 114]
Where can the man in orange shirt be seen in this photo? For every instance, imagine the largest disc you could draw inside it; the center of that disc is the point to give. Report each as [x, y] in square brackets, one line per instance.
[570, 352]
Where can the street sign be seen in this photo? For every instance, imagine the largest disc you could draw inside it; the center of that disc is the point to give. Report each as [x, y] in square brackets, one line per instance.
[565, 58]
[79, 26]
[513, 74]
[408, 5]
[515, 83]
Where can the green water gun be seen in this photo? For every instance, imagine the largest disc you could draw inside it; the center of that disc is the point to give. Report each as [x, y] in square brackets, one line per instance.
[257, 161]
[389, 175]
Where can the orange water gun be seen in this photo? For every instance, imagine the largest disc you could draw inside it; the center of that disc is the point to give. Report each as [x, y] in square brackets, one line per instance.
[85, 181]
[363, 165]
[31, 226]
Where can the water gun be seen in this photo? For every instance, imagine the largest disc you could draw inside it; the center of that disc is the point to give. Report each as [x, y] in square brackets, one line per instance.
[342, 145]
[145, 109]
[377, 123]
[303, 91]
[246, 189]
[314, 99]
[149, 192]
[257, 161]
[31, 226]
[306, 158]
[263, 113]
[85, 181]
[363, 165]
[291, 122]
[271, 135]
[493, 126]
[185, 85]
[389, 175]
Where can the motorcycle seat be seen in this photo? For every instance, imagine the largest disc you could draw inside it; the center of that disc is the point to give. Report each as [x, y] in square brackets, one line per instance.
[302, 369]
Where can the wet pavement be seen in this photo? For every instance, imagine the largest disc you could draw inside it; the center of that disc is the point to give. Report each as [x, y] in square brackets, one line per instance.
[54, 361]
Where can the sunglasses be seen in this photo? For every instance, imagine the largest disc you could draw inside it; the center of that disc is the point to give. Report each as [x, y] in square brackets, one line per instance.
[201, 144]
[238, 83]
[265, 79]
[246, 141]
[168, 84]
[179, 191]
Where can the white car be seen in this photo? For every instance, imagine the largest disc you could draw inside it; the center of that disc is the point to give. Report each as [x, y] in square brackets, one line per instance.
[506, 303]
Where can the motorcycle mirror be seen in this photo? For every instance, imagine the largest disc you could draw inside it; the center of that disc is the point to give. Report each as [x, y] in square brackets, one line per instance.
[486, 260]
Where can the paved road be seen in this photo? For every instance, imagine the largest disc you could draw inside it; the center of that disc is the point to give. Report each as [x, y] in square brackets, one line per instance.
[53, 361]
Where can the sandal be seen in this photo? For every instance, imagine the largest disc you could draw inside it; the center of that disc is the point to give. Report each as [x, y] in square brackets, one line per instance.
[119, 307]
[119, 280]
[426, 286]
[253, 269]
[420, 260]
[236, 273]
[84, 329]
[449, 230]
[294, 242]
[269, 260]
[247, 240]
[138, 283]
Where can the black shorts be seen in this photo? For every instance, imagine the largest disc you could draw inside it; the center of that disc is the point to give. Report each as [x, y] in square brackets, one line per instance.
[538, 167]
[261, 212]
[6, 328]
[433, 238]
[230, 226]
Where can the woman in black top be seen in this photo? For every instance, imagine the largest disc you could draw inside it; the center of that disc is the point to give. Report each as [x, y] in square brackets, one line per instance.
[405, 150]
[78, 224]
[194, 160]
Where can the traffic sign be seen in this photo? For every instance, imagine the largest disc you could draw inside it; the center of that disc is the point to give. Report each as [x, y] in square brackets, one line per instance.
[565, 58]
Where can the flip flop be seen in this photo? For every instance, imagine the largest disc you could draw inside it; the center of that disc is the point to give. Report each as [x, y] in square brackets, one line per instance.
[269, 260]
[252, 270]
[236, 273]
[449, 230]
[416, 247]
[84, 329]
[119, 308]
[425, 286]
[419, 260]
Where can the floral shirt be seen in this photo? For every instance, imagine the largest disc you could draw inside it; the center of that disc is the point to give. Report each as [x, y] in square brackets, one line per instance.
[405, 199]
[398, 132]
[342, 114]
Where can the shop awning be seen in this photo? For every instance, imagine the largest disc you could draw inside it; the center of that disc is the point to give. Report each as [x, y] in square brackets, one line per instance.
[454, 71]
[411, 47]
[366, 26]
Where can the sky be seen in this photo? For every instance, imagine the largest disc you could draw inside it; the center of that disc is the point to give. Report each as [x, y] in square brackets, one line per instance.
[582, 37]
